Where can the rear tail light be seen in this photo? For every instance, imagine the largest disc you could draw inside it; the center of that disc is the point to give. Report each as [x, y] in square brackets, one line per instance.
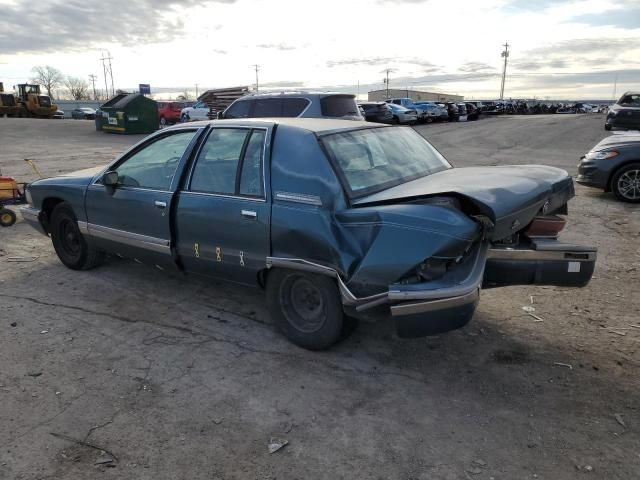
[546, 226]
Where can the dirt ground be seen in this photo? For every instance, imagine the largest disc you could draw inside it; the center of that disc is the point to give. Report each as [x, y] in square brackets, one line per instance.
[142, 375]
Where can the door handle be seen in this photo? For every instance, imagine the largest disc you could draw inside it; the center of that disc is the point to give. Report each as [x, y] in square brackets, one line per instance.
[160, 204]
[249, 214]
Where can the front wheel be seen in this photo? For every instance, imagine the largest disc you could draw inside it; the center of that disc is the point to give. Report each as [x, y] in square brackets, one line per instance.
[626, 183]
[70, 245]
[306, 307]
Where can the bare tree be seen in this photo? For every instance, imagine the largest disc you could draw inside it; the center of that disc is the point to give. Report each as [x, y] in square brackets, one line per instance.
[78, 88]
[49, 77]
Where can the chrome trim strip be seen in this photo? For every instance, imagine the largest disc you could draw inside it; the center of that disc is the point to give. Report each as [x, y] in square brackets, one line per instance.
[435, 305]
[83, 227]
[548, 255]
[299, 198]
[222, 195]
[154, 244]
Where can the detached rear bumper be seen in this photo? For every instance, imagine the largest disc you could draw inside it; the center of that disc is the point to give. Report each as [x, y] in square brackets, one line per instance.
[33, 217]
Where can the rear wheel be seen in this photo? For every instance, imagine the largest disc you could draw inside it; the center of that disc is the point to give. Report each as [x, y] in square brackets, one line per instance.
[7, 217]
[70, 245]
[306, 307]
[626, 183]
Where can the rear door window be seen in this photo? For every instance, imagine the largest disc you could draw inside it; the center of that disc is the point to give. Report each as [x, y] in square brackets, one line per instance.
[293, 107]
[267, 107]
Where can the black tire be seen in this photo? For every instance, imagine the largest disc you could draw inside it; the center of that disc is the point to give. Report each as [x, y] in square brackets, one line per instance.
[607, 126]
[629, 177]
[7, 217]
[395, 120]
[306, 307]
[70, 245]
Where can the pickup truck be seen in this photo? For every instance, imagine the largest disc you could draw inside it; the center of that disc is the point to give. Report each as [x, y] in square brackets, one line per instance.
[329, 217]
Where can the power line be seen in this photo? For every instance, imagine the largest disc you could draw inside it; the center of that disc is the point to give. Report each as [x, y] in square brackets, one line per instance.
[107, 70]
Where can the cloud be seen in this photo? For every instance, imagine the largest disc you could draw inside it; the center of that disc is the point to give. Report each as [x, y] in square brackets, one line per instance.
[587, 46]
[525, 65]
[72, 25]
[626, 18]
[373, 61]
[473, 67]
[276, 46]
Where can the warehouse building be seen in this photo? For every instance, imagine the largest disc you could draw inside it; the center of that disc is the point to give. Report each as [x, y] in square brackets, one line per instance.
[381, 95]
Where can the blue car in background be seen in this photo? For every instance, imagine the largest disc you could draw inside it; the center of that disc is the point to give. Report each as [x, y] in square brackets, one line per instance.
[329, 217]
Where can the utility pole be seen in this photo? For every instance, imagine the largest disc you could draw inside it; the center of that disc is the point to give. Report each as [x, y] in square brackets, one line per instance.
[386, 81]
[93, 79]
[257, 67]
[505, 55]
[615, 86]
[107, 70]
[196, 91]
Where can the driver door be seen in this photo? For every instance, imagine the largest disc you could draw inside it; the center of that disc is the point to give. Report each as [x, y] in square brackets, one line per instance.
[133, 218]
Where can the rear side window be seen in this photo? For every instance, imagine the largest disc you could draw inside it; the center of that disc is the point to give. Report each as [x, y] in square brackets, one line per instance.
[338, 106]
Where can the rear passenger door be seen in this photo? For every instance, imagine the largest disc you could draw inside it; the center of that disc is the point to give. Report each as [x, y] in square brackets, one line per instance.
[222, 214]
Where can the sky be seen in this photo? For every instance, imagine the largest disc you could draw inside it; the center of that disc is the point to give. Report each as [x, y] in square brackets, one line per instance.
[559, 49]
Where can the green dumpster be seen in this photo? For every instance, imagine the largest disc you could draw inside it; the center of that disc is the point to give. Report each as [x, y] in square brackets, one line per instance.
[129, 113]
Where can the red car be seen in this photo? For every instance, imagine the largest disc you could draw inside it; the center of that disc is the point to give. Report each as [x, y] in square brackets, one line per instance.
[169, 112]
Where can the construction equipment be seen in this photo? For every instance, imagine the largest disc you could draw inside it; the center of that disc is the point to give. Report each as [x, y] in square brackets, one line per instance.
[32, 103]
[8, 104]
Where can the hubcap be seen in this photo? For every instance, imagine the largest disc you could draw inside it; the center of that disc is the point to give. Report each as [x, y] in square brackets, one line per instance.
[303, 304]
[6, 218]
[629, 184]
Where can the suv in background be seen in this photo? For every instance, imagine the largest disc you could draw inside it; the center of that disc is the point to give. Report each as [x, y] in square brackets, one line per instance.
[379, 112]
[294, 104]
[625, 113]
[169, 112]
[199, 111]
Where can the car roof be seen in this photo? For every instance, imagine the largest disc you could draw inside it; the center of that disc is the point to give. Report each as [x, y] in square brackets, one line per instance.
[319, 126]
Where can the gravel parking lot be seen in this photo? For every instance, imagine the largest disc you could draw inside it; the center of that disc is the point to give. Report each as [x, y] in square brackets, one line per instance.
[181, 378]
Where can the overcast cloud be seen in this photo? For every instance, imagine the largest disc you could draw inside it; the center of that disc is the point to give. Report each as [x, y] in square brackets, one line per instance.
[556, 45]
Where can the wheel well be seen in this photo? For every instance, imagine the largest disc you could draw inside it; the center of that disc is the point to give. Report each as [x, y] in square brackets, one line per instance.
[613, 173]
[48, 204]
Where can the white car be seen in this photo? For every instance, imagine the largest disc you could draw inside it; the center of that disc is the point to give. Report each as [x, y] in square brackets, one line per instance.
[200, 111]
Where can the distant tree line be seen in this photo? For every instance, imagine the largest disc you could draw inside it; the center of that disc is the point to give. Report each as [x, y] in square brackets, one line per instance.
[60, 86]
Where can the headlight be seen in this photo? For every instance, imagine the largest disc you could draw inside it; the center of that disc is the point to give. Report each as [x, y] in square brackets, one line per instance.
[27, 195]
[602, 155]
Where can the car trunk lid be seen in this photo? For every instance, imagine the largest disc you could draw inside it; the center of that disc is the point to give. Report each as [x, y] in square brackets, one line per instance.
[511, 196]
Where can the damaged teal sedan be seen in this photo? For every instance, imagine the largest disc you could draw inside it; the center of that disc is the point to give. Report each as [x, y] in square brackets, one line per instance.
[329, 217]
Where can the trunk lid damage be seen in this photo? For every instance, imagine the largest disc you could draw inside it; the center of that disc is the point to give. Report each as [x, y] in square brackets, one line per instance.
[510, 196]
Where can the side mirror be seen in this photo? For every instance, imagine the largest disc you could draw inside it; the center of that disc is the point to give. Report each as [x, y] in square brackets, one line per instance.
[110, 179]
[219, 115]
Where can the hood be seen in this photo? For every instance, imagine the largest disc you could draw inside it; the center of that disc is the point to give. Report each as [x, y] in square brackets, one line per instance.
[87, 172]
[618, 140]
[509, 195]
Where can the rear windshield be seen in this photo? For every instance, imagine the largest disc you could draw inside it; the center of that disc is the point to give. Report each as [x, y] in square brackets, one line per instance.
[372, 160]
[339, 106]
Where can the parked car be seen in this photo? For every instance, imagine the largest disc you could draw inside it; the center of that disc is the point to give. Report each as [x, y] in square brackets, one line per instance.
[295, 104]
[625, 113]
[453, 112]
[327, 216]
[443, 113]
[199, 111]
[59, 114]
[462, 112]
[473, 112]
[83, 113]
[613, 165]
[403, 115]
[379, 112]
[433, 111]
[422, 109]
[170, 112]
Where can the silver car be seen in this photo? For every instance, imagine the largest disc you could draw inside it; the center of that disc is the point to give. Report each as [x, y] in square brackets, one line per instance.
[403, 115]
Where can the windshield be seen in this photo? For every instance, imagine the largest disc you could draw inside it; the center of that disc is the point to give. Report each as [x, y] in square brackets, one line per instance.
[630, 100]
[371, 160]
